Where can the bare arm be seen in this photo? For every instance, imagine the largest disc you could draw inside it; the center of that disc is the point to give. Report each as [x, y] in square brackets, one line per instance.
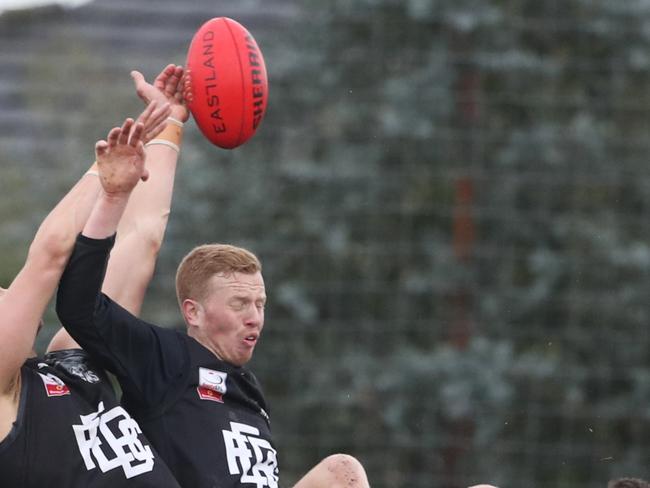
[24, 302]
[142, 228]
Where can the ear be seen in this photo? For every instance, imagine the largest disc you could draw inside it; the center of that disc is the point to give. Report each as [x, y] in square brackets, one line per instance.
[192, 312]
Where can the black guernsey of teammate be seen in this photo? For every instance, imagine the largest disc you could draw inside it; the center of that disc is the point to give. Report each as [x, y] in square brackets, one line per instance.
[208, 419]
[71, 432]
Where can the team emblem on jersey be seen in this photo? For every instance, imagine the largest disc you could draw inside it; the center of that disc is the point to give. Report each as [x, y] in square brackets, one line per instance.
[250, 456]
[109, 439]
[54, 386]
[212, 385]
[73, 365]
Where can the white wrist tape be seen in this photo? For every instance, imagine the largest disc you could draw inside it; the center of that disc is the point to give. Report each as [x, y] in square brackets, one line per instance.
[174, 121]
[163, 142]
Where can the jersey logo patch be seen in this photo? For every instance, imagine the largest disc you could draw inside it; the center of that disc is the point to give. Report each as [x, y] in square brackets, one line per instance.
[250, 456]
[109, 440]
[54, 386]
[212, 385]
[75, 367]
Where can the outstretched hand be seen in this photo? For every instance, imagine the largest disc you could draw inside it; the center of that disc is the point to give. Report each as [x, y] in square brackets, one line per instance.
[168, 87]
[120, 159]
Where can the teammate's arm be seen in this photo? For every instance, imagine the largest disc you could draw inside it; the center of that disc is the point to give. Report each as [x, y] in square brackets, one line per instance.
[24, 302]
[142, 227]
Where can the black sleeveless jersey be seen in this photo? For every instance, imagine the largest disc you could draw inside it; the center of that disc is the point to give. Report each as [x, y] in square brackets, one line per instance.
[71, 432]
[208, 419]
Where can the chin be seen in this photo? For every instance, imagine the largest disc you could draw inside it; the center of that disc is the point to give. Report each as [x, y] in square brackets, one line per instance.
[243, 361]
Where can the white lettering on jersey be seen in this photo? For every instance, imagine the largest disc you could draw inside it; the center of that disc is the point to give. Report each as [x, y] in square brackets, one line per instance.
[251, 456]
[110, 440]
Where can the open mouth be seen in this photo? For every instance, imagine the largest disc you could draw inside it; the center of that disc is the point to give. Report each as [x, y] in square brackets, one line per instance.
[251, 339]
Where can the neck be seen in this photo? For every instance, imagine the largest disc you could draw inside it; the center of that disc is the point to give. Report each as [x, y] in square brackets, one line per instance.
[204, 342]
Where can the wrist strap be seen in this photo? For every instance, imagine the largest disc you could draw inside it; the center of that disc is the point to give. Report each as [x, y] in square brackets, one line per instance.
[174, 121]
[163, 142]
[173, 133]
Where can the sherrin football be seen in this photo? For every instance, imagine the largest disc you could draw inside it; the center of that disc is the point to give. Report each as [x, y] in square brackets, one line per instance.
[228, 87]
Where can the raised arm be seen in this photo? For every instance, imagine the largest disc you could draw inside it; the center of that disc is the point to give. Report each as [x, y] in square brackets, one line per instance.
[142, 227]
[23, 303]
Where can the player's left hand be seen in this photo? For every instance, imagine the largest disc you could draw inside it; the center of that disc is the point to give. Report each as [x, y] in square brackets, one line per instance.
[167, 87]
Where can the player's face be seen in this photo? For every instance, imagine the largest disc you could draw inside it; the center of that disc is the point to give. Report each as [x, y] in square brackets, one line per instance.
[233, 315]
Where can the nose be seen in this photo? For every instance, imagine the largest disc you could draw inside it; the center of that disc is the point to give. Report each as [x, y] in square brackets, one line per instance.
[255, 317]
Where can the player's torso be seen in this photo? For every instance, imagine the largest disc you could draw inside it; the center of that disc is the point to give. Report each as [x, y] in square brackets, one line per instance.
[71, 432]
[217, 431]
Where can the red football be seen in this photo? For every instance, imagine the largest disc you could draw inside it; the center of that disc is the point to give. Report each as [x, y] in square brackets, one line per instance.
[229, 87]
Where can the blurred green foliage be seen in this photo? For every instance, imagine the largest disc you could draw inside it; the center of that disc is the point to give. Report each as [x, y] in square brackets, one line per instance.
[450, 201]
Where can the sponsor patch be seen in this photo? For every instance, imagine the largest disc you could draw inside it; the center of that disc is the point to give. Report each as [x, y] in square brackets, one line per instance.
[207, 394]
[212, 385]
[54, 386]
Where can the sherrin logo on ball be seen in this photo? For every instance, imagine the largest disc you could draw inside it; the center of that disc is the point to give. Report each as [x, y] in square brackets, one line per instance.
[228, 86]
